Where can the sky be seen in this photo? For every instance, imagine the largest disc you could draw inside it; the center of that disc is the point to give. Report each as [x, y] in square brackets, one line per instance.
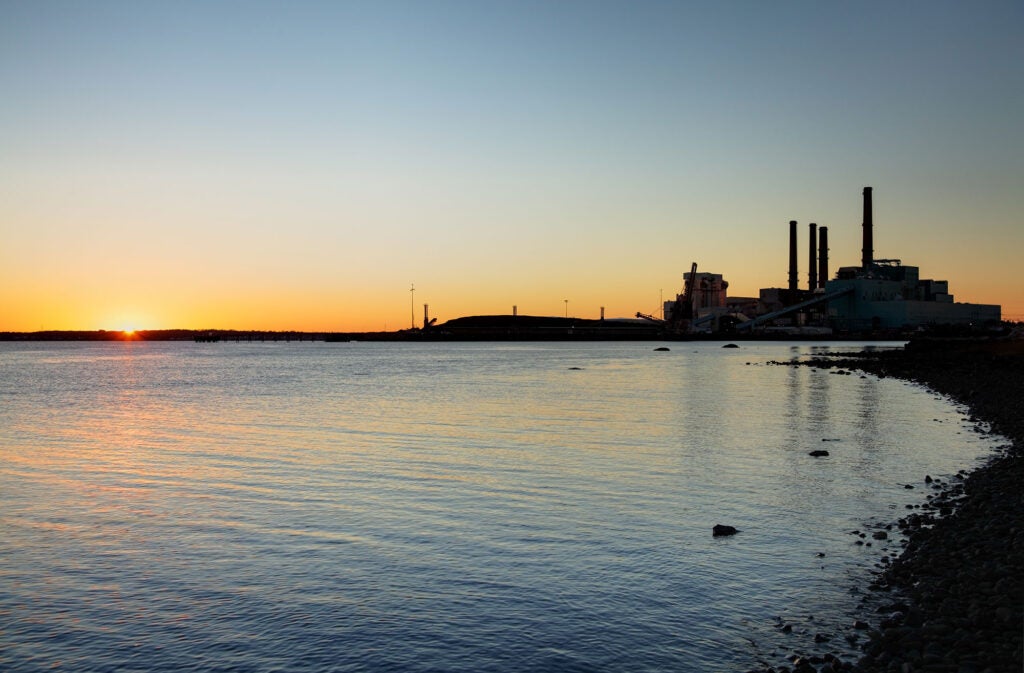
[304, 165]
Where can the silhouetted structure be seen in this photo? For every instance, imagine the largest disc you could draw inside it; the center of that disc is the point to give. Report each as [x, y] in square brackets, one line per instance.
[539, 328]
[886, 294]
[868, 249]
[822, 257]
[794, 280]
[812, 264]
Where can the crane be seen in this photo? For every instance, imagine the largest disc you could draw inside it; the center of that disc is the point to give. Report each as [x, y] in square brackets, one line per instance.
[681, 313]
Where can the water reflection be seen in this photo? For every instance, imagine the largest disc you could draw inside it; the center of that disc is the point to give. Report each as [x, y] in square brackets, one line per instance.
[479, 504]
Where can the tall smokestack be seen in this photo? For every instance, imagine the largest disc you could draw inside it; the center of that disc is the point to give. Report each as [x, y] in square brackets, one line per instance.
[822, 256]
[869, 245]
[793, 281]
[812, 264]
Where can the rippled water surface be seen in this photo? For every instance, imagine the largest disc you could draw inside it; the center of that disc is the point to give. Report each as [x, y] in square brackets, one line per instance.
[441, 507]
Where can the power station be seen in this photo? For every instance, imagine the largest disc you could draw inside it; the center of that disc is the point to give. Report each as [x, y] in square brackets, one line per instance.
[880, 294]
[879, 297]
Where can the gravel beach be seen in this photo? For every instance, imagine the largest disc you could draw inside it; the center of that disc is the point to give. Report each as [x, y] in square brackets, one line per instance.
[952, 601]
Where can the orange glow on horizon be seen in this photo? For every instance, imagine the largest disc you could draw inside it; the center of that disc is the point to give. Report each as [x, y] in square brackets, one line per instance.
[281, 304]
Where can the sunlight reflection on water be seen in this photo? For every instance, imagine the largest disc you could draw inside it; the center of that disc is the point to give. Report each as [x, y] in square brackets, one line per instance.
[441, 507]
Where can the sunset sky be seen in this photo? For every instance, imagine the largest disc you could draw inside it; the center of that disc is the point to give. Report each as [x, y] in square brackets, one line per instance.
[299, 165]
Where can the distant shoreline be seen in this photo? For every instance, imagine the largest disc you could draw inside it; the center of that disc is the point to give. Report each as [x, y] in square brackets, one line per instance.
[245, 336]
[494, 328]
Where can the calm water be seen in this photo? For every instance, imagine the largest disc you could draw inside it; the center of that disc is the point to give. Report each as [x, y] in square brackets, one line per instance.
[440, 507]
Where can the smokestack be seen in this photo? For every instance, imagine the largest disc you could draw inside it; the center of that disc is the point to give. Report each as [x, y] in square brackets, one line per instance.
[793, 281]
[822, 256]
[869, 245]
[812, 264]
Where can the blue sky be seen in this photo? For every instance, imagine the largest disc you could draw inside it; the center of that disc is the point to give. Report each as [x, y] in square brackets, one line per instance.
[301, 164]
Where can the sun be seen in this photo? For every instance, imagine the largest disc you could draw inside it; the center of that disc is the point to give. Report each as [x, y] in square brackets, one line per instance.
[128, 323]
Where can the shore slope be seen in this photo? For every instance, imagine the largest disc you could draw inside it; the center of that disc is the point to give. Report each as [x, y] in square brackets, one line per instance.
[958, 587]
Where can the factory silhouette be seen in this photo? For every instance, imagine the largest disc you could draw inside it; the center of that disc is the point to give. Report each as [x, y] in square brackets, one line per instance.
[878, 297]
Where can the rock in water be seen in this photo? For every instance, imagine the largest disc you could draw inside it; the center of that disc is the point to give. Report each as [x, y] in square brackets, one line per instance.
[719, 530]
[818, 453]
[730, 346]
[661, 348]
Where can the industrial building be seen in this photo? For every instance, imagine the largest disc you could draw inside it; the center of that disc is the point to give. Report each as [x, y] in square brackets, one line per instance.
[886, 294]
[880, 294]
[708, 294]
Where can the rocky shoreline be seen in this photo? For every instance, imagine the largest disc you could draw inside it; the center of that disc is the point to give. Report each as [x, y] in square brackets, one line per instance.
[953, 600]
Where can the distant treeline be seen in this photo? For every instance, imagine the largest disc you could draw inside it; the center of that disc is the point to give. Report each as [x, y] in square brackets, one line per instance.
[494, 328]
[164, 335]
